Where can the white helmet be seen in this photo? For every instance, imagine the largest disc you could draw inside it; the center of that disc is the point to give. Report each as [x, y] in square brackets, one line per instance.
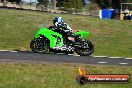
[57, 19]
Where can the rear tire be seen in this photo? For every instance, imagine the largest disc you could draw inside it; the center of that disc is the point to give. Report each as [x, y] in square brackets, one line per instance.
[39, 45]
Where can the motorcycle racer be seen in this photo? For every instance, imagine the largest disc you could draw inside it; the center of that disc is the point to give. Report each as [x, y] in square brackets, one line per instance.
[58, 22]
[66, 30]
[60, 38]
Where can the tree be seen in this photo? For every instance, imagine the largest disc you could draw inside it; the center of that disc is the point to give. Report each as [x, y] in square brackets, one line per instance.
[93, 6]
[60, 3]
[17, 2]
[129, 1]
[42, 5]
[4, 2]
[54, 4]
[77, 4]
[47, 3]
[103, 3]
[44, 2]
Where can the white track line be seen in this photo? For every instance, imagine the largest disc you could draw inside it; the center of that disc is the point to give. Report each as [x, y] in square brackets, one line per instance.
[5, 50]
[77, 55]
[102, 62]
[71, 54]
[8, 51]
[13, 51]
[111, 57]
[123, 63]
[115, 57]
[99, 56]
[127, 58]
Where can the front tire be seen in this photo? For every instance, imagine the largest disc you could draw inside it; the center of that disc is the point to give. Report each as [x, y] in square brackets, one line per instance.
[39, 45]
[85, 48]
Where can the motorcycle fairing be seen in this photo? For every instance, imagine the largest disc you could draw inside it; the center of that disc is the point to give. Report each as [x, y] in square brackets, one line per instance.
[82, 34]
[55, 38]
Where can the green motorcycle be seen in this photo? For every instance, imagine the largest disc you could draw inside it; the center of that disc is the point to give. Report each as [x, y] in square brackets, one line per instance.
[47, 40]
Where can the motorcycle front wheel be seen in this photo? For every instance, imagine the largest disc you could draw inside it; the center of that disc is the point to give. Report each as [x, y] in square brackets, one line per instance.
[85, 48]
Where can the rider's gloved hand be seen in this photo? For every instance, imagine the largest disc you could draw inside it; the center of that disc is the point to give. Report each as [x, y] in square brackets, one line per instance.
[66, 30]
[64, 26]
[51, 27]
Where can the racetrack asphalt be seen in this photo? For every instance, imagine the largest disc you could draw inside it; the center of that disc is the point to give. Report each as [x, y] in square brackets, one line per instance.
[14, 56]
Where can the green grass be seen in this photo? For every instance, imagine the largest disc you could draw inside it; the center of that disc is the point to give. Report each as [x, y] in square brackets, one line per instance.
[24, 75]
[110, 37]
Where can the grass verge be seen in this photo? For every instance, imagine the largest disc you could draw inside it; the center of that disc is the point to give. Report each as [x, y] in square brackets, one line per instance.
[27, 75]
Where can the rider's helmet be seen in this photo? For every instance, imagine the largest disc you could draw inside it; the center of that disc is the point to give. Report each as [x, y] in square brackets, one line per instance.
[57, 19]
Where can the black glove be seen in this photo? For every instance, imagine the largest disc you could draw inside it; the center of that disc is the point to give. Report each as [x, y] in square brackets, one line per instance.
[64, 26]
[51, 27]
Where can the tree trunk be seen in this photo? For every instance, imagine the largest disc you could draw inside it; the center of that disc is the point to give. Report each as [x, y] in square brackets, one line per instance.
[4, 3]
[54, 5]
[21, 4]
